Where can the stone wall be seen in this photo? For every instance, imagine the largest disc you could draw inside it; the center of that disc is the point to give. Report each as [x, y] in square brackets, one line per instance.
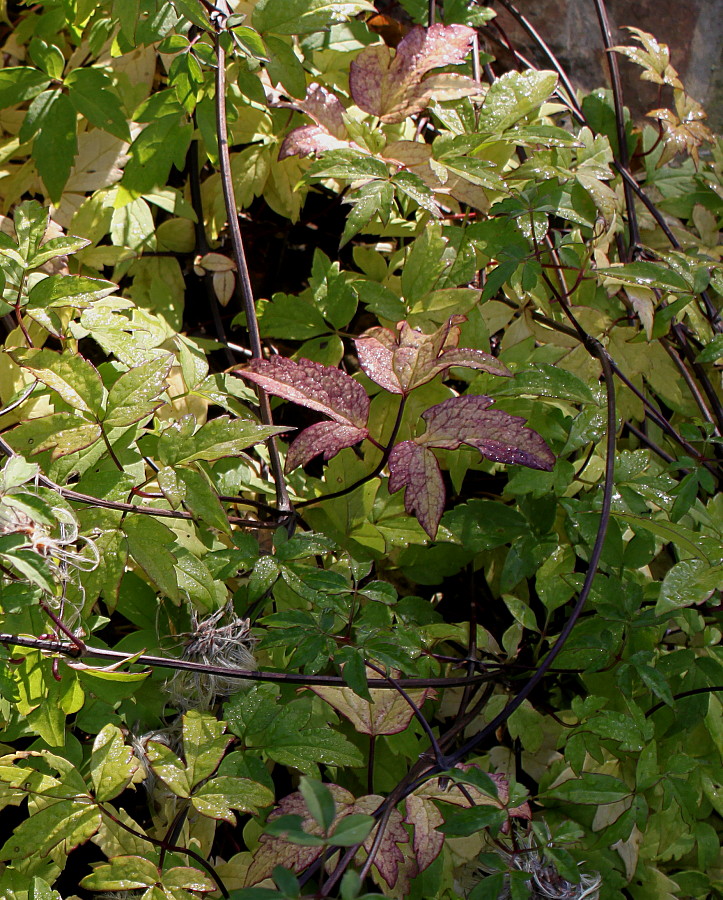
[693, 29]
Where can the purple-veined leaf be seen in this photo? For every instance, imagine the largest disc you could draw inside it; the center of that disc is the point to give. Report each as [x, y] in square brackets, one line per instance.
[496, 434]
[323, 437]
[324, 108]
[323, 388]
[309, 139]
[394, 87]
[399, 363]
[415, 468]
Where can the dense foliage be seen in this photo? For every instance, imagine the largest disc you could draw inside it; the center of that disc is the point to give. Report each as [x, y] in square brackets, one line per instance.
[386, 563]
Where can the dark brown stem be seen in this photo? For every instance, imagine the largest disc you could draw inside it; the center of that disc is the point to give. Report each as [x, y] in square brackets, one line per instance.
[375, 471]
[623, 155]
[282, 497]
[553, 60]
[162, 662]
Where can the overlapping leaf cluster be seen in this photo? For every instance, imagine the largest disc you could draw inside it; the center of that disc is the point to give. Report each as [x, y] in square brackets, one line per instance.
[494, 265]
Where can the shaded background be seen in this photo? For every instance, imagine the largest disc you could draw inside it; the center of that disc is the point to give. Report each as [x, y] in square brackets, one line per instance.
[693, 29]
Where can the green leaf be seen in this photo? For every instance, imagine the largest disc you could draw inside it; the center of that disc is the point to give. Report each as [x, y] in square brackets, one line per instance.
[47, 57]
[688, 582]
[112, 763]
[91, 93]
[370, 200]
[202, 500]
[56, 144]
[67, 290]
[169, 768]
[73, 377]
[204, 744]
[290, 318]
[318, 801]
[194, 11]
[162, 144]
[352, 830]
[216, 439]
[513, 96]
[713, 350]
[284, 66]
[65, 824]
[250, 42]
[591, 788]
[218, 797]
[20, 83]
[136, 394]
[148, 543]
[464, 822]
[32, 567]
[304, 16]
[544, 380]
[306, 749]
[649, 275]
[123, 873]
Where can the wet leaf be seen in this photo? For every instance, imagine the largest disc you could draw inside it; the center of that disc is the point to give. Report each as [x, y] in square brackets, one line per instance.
[496, 434]
[513, 96]
[323, 388]
[74, 378]
[327, 438]
[216, 439]
[652, 56]
[123, 873]
[112, 763]
[387, 713]
[415, 468]
[394, 87]
[136, 394]
[403, 361]
[217, 798]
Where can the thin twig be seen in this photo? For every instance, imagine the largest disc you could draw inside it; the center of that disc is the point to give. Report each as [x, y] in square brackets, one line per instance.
[65, 648]
[623, 155]
[282, 497]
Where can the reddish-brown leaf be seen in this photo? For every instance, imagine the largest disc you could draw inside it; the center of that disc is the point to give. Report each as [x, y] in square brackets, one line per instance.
[325, 109]
[276, 851]
[309, 139]
[416, 469]
[497, 435]
[323, 388]
[403, 361]
[424, 816]
[389, 856]
[323, 437]
[388, 713]
[394, 87]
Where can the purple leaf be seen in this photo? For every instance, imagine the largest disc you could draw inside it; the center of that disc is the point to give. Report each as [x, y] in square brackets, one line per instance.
[394, 87]
[497, 435]
[325, 109]
[324, 437]
[417, 469]
[309, 139]
[328, 132]
[323, 388]
[399, 363]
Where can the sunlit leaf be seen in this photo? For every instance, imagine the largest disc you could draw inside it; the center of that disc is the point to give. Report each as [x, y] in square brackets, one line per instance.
[394, 87]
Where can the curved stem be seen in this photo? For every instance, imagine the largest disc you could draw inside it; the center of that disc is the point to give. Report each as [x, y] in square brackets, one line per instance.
[375, 471]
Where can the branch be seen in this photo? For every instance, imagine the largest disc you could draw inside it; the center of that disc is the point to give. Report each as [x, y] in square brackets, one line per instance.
[67, 648]
[282, 497]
